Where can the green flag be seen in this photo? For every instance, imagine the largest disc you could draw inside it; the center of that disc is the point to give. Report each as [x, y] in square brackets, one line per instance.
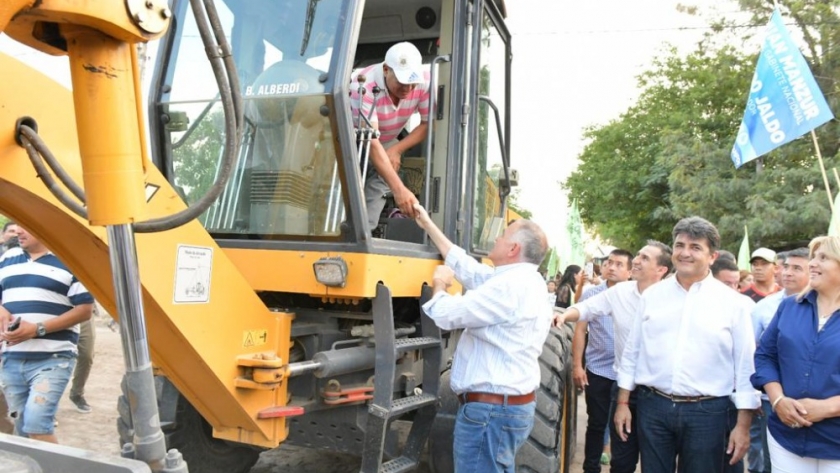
[574, 233]
[553, 263]
[834, 224]
[744, 252]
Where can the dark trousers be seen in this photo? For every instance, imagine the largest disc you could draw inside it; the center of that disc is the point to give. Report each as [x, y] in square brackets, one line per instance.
[688, 437]
[597, 395]
[625, 454]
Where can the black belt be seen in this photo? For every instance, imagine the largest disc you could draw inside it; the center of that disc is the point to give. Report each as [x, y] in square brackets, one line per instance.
[499, 399]
[676, 398]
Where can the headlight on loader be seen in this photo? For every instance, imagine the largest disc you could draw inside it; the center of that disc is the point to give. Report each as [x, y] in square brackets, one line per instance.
[331, 272]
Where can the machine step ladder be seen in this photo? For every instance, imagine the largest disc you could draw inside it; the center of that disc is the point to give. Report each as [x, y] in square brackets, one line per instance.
[384, 407]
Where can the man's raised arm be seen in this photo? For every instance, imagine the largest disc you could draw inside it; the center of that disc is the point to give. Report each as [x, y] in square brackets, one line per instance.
[435, 234]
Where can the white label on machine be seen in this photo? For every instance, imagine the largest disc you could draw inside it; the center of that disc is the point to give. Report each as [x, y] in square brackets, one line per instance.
[151, 190]
[192, 274]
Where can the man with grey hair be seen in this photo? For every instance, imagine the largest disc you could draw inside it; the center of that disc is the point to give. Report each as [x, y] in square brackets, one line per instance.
[689, 358]
[506, 320]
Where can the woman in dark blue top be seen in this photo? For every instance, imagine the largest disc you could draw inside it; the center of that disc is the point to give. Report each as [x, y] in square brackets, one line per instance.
[797, 363]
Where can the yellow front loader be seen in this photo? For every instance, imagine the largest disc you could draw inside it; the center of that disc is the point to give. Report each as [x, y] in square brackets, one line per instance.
[256, 304]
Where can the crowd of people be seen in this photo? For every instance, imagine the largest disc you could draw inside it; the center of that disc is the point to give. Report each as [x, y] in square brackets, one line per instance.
[705, 367]
[46, 336]
[687, 364]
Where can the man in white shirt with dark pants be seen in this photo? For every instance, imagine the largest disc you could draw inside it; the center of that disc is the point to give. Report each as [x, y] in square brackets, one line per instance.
[621, 303]
[690, 357]
[506, 320]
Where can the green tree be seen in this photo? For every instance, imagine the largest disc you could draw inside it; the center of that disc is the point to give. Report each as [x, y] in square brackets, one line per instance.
[196, 159]
[667, 156]
[513, 203]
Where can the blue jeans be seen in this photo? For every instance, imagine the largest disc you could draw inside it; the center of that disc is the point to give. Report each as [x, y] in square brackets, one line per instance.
[759, 454]
[688, 437]
[487, 436]
[33, 388]
[625, 455]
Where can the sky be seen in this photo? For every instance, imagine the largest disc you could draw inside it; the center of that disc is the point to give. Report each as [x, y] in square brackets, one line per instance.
[574, 65]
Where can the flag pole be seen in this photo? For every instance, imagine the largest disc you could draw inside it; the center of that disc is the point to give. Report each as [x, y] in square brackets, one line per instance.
[836, 177]
[822, 168]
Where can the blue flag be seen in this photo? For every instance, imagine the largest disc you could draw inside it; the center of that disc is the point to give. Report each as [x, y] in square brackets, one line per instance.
[785, 101]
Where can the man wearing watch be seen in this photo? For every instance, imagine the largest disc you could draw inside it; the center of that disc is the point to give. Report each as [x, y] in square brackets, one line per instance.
[40, 354]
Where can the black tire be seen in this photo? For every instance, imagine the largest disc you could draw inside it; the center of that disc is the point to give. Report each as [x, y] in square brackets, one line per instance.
[550, 446]
[551, 443]
[186, 430]
[441, 459]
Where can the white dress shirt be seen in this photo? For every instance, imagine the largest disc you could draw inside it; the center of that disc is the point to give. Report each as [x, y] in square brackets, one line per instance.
[506, 319]
[698, 342]
[621, 302]
[762, 314]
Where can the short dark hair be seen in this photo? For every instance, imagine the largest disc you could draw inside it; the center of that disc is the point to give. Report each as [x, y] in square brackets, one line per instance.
[624, 253]
[8, 224]
[798, 253]
[724, 265]
[698, 228]
[665, 252]
[723, 254]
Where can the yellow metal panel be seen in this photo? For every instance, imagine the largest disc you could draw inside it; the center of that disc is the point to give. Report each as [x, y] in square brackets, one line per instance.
[291, 271]
[9, 8]
[196, 344]
[108, 126]
[108, 16]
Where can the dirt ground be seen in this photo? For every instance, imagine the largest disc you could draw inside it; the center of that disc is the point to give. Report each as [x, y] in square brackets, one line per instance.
[97, 430]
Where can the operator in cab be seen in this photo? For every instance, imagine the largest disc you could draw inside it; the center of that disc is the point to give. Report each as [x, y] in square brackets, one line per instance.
[403, 90]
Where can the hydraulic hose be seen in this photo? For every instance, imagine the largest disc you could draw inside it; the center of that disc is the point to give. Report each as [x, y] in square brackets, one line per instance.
[224, 70]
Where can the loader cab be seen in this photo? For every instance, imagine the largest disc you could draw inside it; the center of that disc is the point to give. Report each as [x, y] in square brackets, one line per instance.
[296, 182]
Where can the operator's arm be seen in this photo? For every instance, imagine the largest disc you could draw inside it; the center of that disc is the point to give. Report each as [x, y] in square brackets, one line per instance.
[404, 198]
[417, 135]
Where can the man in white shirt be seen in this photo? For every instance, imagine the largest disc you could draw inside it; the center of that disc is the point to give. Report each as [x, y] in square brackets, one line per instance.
[690, 358]
[595, 342]
[621, 303]
[506, 321]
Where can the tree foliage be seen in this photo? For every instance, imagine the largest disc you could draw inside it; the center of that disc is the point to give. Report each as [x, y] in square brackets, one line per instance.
[667, 156]
[516, 206]
[195, 161]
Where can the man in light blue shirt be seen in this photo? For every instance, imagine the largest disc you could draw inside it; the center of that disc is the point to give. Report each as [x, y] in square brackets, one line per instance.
[597, 377]
[794, 280]
[506, 319]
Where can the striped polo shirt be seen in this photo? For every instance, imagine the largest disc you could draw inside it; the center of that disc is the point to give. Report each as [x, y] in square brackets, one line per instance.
[37, 291]
[386, 117]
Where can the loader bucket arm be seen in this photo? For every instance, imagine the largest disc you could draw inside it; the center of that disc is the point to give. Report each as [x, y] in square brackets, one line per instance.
[194, 338]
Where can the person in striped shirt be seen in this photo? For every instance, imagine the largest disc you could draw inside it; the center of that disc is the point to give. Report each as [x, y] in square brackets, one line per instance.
[404, 90]
[42, 306]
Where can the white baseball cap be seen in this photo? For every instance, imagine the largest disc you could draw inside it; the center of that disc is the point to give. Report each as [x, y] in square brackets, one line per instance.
[406, 62]
[764, 253]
